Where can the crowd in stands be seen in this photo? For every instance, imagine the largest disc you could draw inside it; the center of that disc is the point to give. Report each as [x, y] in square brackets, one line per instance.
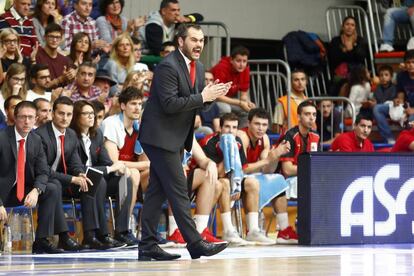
[72, 94]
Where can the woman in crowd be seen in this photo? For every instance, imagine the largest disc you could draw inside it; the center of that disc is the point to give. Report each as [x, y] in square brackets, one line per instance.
[14, 84]
[80, 49]
[45, 12]
[10, 50]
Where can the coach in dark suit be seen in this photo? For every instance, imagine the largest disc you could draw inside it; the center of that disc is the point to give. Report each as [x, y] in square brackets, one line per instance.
[167, 129]
[20, 148]
[66, 167]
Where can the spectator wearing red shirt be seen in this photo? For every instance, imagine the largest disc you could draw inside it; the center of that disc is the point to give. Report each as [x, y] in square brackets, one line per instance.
[405, 141]
[236, 70]
[356, 140]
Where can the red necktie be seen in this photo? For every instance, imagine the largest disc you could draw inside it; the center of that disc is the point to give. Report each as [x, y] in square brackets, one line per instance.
[192, 72]
[62, 150]
[20, 171]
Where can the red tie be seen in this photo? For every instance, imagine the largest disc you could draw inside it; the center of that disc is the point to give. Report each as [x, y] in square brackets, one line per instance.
[20, 171]
[192, 72]
[62, 149]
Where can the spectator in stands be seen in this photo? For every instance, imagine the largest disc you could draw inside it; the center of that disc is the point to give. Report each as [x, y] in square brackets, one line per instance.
[360, 90]
[3, 123]
[138, 54]
[14, 83]
[166, 48]
[329, 125]
[43, 112]
[99, 111]
[160, 26]
[302, 138]
[236, 70]
[60, 67]
[357, 139]
[31, 188]
[10, 42]
[122, 58]
[121, 134]
[393, 16]
[82, 88]
[18, 19]
[201, 173]
[347, 49]
[135, 79]
[405, 141]
[9, 105]
[40, 79]
[80, 49]
[104, 82]
[250, 186]
[66, 170]
[262, 158]
[45, 12]
[298, 82]
[80, 21]
[93, 154]
[112, 23]
[385, 96]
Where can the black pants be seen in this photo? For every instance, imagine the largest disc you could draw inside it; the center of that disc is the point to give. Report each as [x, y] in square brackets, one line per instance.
[167, 181]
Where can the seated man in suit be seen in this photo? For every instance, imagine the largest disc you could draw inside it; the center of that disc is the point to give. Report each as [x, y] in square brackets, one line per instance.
[61, 147]
[24, 177]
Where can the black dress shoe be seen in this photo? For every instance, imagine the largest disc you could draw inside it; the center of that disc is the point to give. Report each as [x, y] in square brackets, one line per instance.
[42, 246]
[112, 243]
[127, 238]
[94, 243]
[156, 253]
[69, 244]
[204, 248]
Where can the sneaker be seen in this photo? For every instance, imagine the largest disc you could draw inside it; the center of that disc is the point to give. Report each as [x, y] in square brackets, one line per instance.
[259, 238]
[176, 237]
[391, 141]
[208, 236]
[386, 48]
[163, 243]
[234, 239]
[287, 236]
[128, 238]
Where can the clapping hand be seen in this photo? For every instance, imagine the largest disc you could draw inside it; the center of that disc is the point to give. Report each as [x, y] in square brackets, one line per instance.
[215, 90]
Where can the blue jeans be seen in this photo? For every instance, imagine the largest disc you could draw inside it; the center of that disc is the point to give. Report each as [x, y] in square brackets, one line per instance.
[381, 112]
[393, 16]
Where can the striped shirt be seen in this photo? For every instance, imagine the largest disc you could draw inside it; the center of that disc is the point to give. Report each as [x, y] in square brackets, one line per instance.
[73, 24]
[23, 26]
[93, 94]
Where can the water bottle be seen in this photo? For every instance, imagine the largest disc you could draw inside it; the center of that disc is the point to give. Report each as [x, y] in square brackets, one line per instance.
[133, 225]
[7, 240]
[26, 232]
[16, 232]
[162, 226]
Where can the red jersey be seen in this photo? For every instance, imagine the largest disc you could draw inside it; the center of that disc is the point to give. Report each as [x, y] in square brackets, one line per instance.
[348, 142]
[404, 140]
[253, 151]
[127, 152]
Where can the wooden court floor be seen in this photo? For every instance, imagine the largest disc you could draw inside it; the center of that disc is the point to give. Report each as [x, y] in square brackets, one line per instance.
[270, 260]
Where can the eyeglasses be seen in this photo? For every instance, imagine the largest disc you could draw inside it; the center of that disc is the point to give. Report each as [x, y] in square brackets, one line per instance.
[10, 41]
[25, 117]
[88, 114]
[16, 79]
[54, 37]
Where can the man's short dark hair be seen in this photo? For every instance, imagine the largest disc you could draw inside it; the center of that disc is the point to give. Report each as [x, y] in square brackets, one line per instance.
[24, 104]
[89, 64]
[98, 106]
[39, 100]
[36, 68]
[259, 113]
[135, 40]
[409, 54]
[362, 116]
[53, 27]
[304, 104]
[298, 70]
[182, 30]
[167, 44]
[386, 68]
[62, 100]
[9, 99]
[129, 94]
[165, 3]
[239, 50]
[228, 117]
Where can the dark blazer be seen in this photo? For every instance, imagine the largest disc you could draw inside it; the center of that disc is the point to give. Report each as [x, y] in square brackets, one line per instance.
[168, 118]
[36, 169]
[73, 161]
[99, 154]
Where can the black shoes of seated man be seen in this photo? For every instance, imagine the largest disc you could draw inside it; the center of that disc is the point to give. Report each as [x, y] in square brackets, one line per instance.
[44, 246]
[204, 248]
[156, 253]
[112, 243]
[68, 244]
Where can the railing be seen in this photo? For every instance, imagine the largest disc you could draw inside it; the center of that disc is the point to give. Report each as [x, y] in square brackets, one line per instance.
[214, 33]
[334, 17]
[269, 80]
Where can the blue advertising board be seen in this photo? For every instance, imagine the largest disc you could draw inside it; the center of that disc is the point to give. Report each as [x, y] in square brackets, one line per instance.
[355, 198]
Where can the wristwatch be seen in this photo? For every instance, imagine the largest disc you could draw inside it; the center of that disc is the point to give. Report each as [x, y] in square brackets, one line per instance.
[39, 191]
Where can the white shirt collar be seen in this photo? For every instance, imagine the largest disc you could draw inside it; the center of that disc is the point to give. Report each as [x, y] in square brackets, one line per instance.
[56, 131]
[18, 136]
[17, 15]
[186, 59]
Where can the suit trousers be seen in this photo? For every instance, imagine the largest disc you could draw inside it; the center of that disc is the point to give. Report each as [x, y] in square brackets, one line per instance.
[167, 181]
[47, 209]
